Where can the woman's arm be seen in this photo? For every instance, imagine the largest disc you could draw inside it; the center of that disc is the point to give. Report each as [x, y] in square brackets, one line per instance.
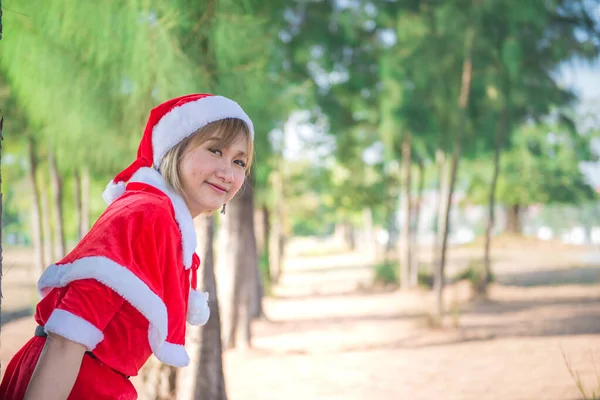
[56, 370]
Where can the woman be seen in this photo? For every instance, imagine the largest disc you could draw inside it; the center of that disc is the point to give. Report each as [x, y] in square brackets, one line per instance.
[128, 287]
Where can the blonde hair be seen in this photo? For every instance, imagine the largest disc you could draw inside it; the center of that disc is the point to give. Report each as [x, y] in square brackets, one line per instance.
[224, 132]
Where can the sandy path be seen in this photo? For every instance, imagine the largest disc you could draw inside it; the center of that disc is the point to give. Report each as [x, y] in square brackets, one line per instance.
[329, 338]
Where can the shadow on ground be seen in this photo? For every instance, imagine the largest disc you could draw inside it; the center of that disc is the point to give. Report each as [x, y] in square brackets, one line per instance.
[552, 277]
[483, 307]
[304, 325]
[16, 314]
[358, 290]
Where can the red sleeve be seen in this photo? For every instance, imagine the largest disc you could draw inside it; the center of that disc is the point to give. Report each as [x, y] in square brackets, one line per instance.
[92, 301]
[83, 312]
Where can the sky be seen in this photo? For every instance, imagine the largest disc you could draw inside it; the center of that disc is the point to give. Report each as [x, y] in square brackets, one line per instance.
[584, 79]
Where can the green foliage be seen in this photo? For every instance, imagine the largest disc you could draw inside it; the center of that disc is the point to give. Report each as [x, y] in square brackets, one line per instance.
[386, 273]
[419, 74]
[366, 72]
[474, 274]
[12, 222]
[542, 167]
[88, 83]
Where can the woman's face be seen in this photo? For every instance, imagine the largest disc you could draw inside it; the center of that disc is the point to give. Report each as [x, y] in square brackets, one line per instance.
[211, 176]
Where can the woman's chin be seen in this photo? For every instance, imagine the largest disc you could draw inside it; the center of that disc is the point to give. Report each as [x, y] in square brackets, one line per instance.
[211, 207]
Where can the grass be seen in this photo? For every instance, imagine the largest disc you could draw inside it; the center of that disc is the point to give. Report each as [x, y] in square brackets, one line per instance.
[473, 274]
[595, 393]
[386, 273]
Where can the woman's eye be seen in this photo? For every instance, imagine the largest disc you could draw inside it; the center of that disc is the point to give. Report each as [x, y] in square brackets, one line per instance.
[241, 163]
[216, 151]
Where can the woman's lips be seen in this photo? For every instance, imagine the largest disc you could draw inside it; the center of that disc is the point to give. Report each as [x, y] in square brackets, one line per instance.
[217, 188]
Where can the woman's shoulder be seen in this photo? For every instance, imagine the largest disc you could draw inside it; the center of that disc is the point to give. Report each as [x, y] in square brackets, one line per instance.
[143, 205]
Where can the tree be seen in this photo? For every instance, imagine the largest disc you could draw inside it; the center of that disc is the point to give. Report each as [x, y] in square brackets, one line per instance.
[1, 200]
[463, 103]
[210, 383]
[243, 59]
[1, 197]
[86, 86]
[204, 379]
[35, 207]
[522, 65]
[240, 258]
[542, 167]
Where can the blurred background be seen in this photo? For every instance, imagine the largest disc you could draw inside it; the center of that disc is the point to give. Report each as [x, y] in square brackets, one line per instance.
[422, 220]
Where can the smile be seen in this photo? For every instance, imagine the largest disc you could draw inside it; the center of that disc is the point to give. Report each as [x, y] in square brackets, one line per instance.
[217, 188]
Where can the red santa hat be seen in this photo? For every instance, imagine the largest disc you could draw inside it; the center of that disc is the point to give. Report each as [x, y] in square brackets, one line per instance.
[170, 123]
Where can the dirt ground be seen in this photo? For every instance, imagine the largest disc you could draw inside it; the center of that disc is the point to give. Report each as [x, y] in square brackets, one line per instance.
[328, 336]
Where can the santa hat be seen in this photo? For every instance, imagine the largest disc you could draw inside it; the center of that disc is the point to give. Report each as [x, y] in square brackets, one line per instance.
[170, 123]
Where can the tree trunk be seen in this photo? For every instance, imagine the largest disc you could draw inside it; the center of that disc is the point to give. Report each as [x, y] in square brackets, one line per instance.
[240, 264]
[57, 193]
[463, 103]
[439, 276]
[46, 224]
[276, 234]
[261, 223]
[159, 380]
[414, 268]
[369, 241]
[263, 246]
[348, 235]
[1, 200]
[266, 222]
[442, 194]
[204, 379]
[84, 223]
[36, 221]
[258, 293]
[392, 183]
[391, 227]
[405, 261]
[210, 381]
[77, 199]
[513, 219]
[486, 273]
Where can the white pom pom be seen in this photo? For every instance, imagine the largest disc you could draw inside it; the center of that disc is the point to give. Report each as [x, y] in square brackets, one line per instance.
[198, 311]
[113, 191]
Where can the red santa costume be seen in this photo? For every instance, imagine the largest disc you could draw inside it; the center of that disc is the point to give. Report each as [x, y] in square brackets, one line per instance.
[127, 289]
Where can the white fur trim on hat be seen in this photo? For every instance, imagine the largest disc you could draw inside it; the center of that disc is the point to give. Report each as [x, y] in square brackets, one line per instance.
[186, 119]
[113, 191]
[131, 288]
[198, 311]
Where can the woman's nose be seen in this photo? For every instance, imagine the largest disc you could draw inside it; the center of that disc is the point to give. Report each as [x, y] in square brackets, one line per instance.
[225, 173]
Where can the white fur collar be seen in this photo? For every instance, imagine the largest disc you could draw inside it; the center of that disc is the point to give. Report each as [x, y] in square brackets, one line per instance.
[184, 219]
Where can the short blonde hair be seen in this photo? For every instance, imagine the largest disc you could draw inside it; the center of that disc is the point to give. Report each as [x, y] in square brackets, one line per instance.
[224, 132]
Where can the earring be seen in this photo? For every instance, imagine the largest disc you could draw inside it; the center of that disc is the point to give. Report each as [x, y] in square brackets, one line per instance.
[223, 209]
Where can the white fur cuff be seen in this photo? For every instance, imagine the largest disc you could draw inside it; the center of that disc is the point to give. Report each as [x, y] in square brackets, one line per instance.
[74, 328]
